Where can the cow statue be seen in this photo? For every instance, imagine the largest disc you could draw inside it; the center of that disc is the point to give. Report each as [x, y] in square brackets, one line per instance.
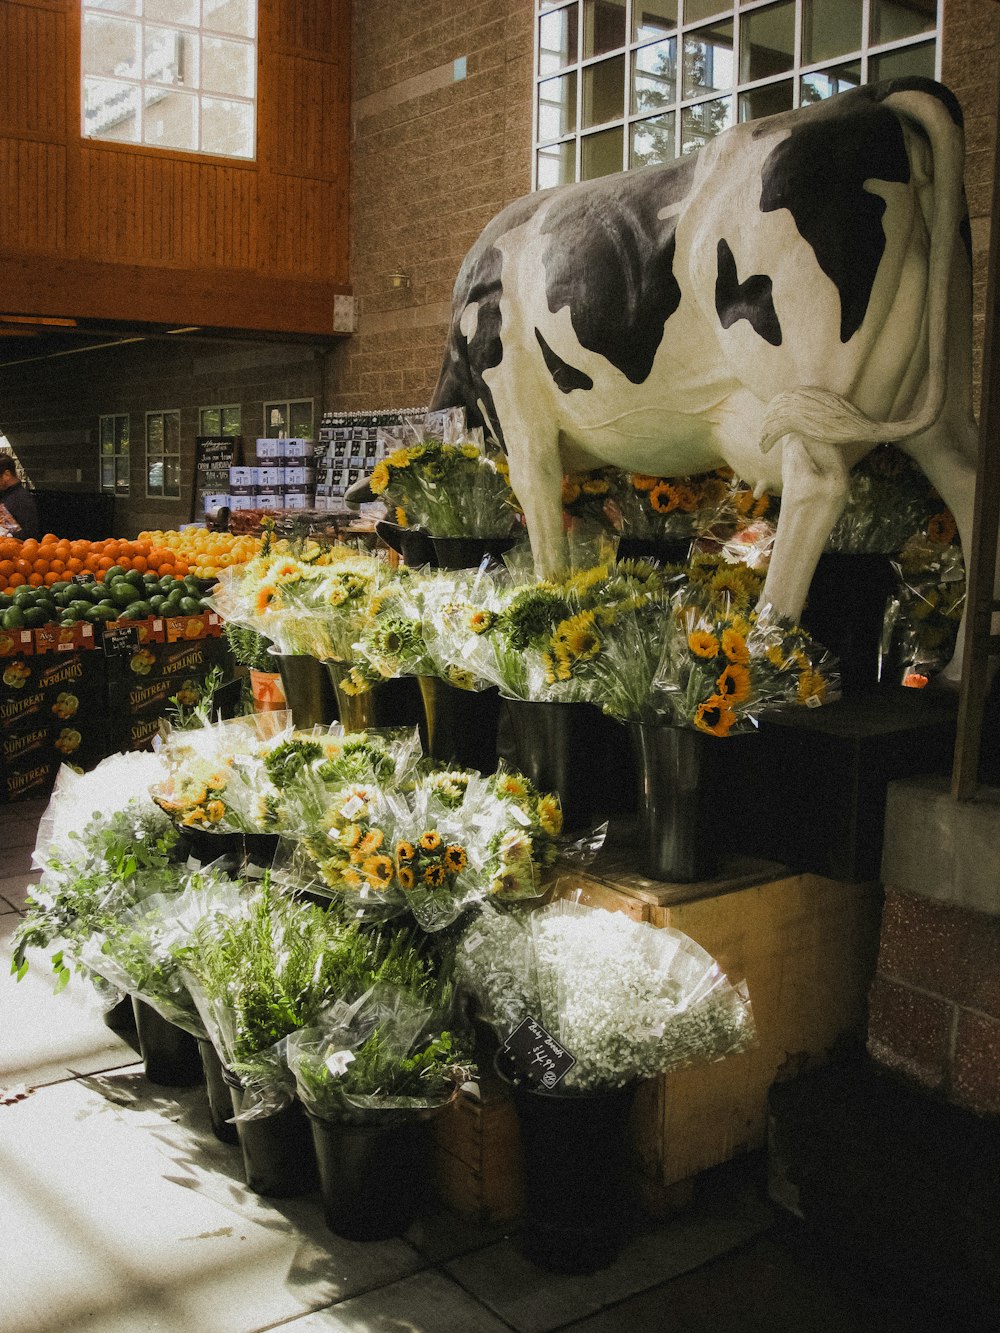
[781, 301]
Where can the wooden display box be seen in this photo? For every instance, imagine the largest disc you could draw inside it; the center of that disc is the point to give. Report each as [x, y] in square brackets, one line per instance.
[806, 947]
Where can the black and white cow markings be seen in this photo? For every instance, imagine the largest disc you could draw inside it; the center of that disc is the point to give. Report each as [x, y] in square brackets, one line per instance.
[750, 300]
[565, 377]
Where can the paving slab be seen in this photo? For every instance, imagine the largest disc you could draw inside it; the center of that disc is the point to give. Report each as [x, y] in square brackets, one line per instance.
[120, 1214]
[45, 1037]
[15, 888]
[425, 1303]
[531, 1300]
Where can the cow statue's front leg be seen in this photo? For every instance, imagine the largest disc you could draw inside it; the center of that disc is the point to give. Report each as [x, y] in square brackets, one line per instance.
[536, 479]
[814, 482]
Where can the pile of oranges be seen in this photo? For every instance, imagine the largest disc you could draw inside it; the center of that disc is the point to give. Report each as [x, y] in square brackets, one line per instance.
[56, 559]
[205, 552]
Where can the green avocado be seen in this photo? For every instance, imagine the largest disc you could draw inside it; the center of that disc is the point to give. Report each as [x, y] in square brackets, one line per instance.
[13, 618]
[123, 594]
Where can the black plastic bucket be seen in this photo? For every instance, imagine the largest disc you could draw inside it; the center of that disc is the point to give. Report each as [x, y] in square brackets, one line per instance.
[169, 1054]
[277, 1149]
[220, 1105]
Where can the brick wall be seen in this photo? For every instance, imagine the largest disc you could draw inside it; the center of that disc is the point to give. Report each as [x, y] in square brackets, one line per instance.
[969, 49]
[433, 158]
[935, 1003]
[49, 409]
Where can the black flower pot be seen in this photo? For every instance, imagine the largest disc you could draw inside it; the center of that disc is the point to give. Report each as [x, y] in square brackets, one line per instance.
[120, 1018]
[373, 1175]
[664, 550]
[278, 1153]
[469, 552]
[389, 703]
[220, 1106]
[845, 612]
[308, 690]
[207, 847]
[413, 544]
[575, 751]
[676, 772]
[259, 849]
[575, 1152]
[169, 1054]
[461, 724]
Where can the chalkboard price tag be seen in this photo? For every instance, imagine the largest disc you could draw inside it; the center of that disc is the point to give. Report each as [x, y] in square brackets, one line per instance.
[84, 578]
[124, 639]
[537, 1056]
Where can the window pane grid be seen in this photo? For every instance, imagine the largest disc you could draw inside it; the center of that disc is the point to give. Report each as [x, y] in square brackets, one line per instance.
[113, 438]
[163, 449]
[175, 76]
[723, 70]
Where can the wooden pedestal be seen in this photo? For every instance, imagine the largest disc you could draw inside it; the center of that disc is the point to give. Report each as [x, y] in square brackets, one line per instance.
[806, 947]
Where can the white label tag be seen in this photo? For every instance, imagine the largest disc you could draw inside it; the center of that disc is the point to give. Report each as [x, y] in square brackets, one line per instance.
[337, 1062]
[350, 808]
[473, 941]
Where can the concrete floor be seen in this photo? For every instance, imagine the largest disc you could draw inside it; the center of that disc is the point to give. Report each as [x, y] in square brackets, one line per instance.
[121, 1213]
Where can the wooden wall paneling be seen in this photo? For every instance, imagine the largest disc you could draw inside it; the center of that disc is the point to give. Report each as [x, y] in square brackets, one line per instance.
[33, 94]
[32, 197]
[315, 27]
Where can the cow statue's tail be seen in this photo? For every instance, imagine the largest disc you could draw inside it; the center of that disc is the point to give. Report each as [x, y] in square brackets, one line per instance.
[821, 415]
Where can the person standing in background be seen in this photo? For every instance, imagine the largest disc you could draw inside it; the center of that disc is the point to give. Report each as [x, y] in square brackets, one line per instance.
[17, 500]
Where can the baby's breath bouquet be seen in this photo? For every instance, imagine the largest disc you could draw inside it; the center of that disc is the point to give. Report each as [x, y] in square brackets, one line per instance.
[449, 490]
[626, 999]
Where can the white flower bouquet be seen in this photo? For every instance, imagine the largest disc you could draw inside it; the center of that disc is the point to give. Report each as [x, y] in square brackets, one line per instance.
[625, 999]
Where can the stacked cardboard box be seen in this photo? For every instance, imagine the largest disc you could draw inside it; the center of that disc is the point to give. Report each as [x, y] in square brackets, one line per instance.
[53, 710]
[283, 477]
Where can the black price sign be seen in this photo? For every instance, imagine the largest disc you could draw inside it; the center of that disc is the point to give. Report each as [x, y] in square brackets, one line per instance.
[537, 1055]
[124, 639]
[84, 578]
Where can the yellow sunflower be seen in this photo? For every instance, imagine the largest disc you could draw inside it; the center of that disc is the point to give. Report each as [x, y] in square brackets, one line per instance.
[405, 851]
[550, 815]
[434, 876]
[372, 841]
[942, 528]
[702, 643]
[714, 716]
[455, 858]
[734, 683]
[642, 482]
[379, 870]
[570, 491]
[215, 810]
[812, 685]
[430, 841]
[406, 877]
[734, 646]
[481, 621]
[350, 836]
[379, 479]
[662, 498]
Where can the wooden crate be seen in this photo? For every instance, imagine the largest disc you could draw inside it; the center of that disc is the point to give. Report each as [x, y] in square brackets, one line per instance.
[477, 1147]
[806, 947]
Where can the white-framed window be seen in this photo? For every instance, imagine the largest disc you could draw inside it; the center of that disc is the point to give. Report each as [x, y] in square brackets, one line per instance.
[163, 454]
[113, 439]
[178, 74]
[225, 420]
[291, 420]
[633, 83]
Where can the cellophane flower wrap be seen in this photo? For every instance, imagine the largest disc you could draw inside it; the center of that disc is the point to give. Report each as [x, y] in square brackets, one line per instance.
[721, 668]
[394, 640]
[633, 504]
[258, 975]
[542, 640]
[385, 1055]
[136, 951]
[216, 775]
[449, 490]
[922, 619]
[626, 999]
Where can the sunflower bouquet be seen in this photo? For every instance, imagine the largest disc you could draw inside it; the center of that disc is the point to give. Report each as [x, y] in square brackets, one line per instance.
[449, 490]
[216, 776]
[720, 667]
[541, 640]
[672, 508]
